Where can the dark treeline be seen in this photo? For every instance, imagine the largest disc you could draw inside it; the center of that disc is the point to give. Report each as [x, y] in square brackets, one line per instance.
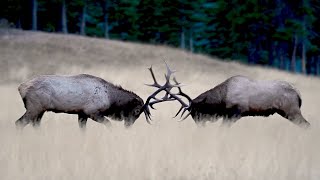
[277, 33]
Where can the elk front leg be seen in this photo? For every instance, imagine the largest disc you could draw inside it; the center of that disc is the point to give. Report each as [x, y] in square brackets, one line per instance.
[233, 115]
[200, 122]
[128, 123]
[100, 119]
[82, 121]
[229, 121]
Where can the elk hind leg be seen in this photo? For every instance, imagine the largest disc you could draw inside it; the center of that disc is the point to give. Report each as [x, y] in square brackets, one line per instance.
[36, 122]
[26, 119]
[299, 120]
[22, 121]
[82, 121]
[296, 118]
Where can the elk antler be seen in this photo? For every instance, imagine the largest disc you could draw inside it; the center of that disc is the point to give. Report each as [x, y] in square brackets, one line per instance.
[167, 87]
[184, 107]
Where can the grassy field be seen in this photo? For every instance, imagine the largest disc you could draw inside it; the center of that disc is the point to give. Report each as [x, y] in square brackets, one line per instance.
[255, 148]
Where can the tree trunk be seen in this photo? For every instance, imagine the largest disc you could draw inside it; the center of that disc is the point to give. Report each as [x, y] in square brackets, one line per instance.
[277, 51]
[252, 49]
[270, 53]
[304, 58]
[64, 17]
[106, 26]
[182, 40]
[293, 58]
[311, 66]
[18, 25]
[305, 38]
[191, 43]
[105, 5]
[318, 65]
[34, 14]
[83, 19]
[282, 60]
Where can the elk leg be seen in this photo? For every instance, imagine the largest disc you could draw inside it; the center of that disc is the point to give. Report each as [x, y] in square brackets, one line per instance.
[82, 121]
[229, 121]
[200, 122]
[22, 121]
[296, 118]
[199, 119]
[100, 119]
[233, 116]
[36, 122]
[25, 119]
[299, 120]
[226, 122]
[127, 123]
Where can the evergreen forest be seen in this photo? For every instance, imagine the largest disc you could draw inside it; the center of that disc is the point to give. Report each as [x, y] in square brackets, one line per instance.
[281, 34]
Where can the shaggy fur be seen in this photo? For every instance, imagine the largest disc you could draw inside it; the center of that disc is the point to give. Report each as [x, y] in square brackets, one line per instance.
[85, 95]
[241, 96]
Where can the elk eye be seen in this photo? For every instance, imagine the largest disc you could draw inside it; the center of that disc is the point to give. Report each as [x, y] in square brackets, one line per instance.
[137, 111]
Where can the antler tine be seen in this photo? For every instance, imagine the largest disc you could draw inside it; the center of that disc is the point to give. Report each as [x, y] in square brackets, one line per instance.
[175, 80]
[147, 114]
[158, 101]
[155, 82]
[169, 72]
[180, 91]
[187, 107]
[152, 96]
[177, 83]
[166, 96]
[178, 112]
[183, 112]
[185, 117]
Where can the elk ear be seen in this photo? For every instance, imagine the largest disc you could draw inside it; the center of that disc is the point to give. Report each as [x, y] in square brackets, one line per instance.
[135, 100]
[204, 101]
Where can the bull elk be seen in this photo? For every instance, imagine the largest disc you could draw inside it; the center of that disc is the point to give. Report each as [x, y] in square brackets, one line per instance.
[85, 95]
[240, 96]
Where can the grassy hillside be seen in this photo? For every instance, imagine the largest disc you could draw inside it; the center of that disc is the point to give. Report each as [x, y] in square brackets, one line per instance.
[254, 148]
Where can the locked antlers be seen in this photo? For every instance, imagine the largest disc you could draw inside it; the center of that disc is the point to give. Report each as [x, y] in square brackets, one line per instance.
[184, 107]
[169, 96]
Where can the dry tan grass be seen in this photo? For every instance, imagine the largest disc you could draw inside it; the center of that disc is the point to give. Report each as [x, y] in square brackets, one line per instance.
[254, 148]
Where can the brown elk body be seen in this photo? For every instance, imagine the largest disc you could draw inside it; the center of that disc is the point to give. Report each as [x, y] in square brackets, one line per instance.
[241, 96]
[85, 95]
